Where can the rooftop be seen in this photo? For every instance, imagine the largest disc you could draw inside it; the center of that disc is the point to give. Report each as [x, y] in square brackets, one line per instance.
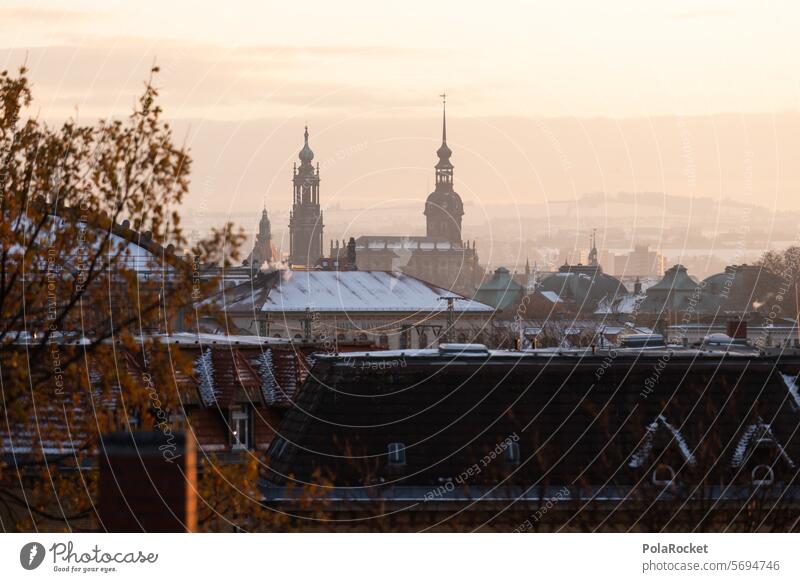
[353, 291]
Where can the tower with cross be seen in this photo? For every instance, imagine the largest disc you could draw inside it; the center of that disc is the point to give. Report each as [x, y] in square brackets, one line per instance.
[444, 207]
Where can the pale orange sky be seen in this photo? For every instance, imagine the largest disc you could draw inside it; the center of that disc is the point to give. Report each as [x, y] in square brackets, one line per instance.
[547, 100]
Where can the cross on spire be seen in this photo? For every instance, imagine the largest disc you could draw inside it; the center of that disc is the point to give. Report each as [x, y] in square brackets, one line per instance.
[444, 117]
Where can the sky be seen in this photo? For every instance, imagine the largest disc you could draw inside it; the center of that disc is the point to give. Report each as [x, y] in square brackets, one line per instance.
[546, 100]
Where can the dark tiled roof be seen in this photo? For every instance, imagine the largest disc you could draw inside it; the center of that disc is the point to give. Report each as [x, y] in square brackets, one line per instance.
[580, 420]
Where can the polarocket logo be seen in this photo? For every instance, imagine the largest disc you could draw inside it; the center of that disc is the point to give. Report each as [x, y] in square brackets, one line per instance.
[31, 555]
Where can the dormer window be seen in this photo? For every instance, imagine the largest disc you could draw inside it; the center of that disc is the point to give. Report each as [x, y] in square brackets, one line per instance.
[397, 454]
[512, 454]
[762, 475]
[240, 429]
[663, 475]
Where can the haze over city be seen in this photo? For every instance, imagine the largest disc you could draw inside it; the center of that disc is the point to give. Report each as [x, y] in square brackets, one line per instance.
[547, 103]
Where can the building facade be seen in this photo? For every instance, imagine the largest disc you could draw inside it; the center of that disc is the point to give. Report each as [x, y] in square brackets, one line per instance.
[332, 307]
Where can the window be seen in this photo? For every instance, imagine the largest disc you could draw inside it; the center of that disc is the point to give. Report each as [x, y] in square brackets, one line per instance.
[512, 454]
[240, 429]
[663, 475]
[405, 338]
[762, 475]
[397, 454]
[423, 340]
[383, 341]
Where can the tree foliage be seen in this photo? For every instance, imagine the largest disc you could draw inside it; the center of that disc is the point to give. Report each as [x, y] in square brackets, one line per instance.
[79, 202]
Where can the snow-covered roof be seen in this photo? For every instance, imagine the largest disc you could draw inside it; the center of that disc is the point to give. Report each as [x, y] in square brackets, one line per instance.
[624, 304]
[354, 291]
[642, 453]
[134, 255]
[189, 338]
[126, 248]
[551, 296]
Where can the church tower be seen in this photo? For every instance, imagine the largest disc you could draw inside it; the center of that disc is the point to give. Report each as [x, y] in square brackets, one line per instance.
[444, 208]
[305, 221]
[593, 259]
[262, 249]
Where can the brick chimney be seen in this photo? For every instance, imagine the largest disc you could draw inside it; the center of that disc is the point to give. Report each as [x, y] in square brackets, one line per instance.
[737, 329]
[147, 482]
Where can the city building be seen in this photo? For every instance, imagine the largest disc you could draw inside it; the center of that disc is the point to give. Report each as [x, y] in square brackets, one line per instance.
[640, 262]
[581, 288]
[232, 399]
[442, 257]
[463, 438]
[388, 309]
[501, 291]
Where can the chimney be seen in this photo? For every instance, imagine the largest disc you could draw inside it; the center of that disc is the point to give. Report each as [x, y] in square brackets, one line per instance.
[147, 482]
[351, 254]
[737, 329]
[637, 287]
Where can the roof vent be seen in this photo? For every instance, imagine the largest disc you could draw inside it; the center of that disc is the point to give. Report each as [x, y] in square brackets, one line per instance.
[642, 340]
[463, 349]
[723, 340]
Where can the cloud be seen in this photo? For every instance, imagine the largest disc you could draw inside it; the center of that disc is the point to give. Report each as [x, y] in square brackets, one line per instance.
[102, 76]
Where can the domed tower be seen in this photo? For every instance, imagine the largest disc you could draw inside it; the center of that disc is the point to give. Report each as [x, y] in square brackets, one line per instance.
[444, 208]
[305, 221]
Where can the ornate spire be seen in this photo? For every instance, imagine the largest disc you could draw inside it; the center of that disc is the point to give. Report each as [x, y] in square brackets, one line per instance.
[306, 155]
[444, 208]
[444, 152]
